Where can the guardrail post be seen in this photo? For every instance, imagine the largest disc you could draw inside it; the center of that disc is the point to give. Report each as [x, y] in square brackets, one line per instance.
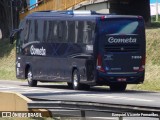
[120, 118]
[83, 115]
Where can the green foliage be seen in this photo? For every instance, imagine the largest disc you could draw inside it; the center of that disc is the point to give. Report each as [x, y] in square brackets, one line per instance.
[153, 18]
[7, 60]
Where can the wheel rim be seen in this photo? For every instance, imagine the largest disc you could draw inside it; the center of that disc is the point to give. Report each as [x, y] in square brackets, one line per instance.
[75, 80]
[29, 77]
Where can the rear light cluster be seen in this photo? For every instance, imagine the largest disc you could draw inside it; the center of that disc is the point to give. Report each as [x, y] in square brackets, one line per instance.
[103, 17]
[142, 64]
[99, 64]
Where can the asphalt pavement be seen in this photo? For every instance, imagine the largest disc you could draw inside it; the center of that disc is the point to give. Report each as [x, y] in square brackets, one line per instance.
[52, 92]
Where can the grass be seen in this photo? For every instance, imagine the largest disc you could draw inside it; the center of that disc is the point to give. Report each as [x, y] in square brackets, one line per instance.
[7, 60]
[152, 77]
[153, 18]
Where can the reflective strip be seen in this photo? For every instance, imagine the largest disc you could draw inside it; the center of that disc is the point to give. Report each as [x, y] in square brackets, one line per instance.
[122, 72]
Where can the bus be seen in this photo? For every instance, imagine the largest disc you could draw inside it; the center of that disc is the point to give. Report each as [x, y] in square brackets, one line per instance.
[81, 48]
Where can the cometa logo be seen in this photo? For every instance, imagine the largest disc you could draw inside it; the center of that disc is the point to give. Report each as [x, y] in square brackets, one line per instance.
[37, 51]
[122, 40]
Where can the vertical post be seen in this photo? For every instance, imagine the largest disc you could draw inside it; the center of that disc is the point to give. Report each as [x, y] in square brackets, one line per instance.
[55, 4]
[156, 10]
[120, 118]
[11, 13]
[45, 4]
[65, 4]
[83, 115]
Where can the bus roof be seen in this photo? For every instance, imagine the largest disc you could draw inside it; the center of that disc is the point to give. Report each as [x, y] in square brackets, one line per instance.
[77, 13]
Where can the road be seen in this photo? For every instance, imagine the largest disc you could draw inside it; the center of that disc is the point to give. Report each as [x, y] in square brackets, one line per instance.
[50, 91]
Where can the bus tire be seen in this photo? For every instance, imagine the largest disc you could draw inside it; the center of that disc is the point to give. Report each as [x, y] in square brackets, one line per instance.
[118, 87]
[31, 82]
[76, 80]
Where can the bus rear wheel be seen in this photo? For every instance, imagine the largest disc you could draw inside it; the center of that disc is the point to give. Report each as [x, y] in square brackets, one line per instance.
[118, 87]
[31, 82]
[76, 80]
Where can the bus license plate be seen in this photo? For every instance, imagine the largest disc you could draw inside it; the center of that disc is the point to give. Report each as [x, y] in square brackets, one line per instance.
[121, 79]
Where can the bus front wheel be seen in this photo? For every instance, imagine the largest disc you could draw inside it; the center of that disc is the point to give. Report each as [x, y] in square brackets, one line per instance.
[31, 82]
[118, 87]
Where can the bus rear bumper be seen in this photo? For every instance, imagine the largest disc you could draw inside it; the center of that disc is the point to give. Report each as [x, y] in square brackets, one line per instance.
[105, 79]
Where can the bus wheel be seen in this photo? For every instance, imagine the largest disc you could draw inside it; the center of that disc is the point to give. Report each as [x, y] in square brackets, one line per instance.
[118, 87]
[31, 82]
[76, 80]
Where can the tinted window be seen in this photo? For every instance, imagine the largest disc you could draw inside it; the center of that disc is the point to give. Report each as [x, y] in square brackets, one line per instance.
[84, 32]
[120, 26]
[31, 31]
[71, 31]
[39, 25]
[26, 31]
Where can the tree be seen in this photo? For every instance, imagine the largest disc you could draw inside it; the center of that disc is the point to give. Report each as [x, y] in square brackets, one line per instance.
[4, 17]
[9, 15]
[156, 10]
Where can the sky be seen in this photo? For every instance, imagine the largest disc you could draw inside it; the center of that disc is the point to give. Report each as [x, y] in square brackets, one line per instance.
[153, 1]
[34, 1]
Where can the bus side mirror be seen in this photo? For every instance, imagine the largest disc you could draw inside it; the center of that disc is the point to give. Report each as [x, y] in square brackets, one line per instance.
[12, 36]
[11, 39]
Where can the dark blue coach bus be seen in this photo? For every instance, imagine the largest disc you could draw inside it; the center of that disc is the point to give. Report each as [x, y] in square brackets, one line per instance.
[82, 48]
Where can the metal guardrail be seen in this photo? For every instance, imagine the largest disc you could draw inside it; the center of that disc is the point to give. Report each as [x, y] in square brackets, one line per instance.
[82, 109]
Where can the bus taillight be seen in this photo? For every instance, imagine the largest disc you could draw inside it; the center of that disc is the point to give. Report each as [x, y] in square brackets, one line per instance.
[142, 64]
[99, 64]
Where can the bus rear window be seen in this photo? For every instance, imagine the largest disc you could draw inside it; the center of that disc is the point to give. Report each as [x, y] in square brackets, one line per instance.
[120, 26]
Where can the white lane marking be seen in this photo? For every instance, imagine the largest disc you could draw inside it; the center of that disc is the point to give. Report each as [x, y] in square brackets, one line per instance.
[27, 89]
[4, 87]
[102, 118]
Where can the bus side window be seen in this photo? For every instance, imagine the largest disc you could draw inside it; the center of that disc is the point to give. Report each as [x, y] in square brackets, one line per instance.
[71, 33]
[31, 32]
[60, 32]
[36, 30]
[26, 31]
[66, 31]
[91, 32]
[22, 33]
[45, 30]
[50, 31]
[39, 24]
[80, 31]
[76, 32]
[87, 32]
[55, 31]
